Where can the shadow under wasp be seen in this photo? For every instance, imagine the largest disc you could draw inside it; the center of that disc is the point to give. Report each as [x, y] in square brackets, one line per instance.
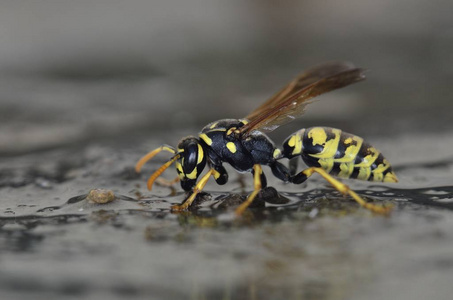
[243, 144]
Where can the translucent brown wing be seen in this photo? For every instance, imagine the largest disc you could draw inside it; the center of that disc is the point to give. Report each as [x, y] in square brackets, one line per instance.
[290, 102]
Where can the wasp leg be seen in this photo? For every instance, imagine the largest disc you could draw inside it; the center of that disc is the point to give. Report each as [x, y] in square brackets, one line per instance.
[151, 154]
[168, 183]
[196, 190]
[159, 171]
[342, 188]
[293, 165]
[281, 172]
[262, 177]
[220, 174]
[258, 175]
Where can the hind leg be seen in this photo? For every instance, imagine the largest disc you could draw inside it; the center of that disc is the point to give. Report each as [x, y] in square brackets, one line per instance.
[341, 187]
[281, 172]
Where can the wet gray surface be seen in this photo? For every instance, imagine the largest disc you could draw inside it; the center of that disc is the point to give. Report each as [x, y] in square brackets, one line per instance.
[81, 104]
[309, 243]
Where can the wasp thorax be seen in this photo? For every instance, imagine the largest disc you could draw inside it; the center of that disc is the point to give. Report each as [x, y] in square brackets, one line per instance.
[190, 163]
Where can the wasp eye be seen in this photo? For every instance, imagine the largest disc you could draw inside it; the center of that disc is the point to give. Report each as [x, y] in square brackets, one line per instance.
[191, 162]
[190, 157]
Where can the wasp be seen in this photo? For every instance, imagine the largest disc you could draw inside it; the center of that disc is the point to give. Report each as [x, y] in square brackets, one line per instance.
[243, 144]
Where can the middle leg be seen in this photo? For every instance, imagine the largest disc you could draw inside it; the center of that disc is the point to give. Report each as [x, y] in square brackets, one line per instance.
[258, 184]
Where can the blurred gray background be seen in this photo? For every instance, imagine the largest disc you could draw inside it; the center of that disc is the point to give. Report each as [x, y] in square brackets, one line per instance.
[76, 71]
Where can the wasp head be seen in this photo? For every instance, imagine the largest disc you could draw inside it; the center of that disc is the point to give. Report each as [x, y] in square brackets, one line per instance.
[190, 163]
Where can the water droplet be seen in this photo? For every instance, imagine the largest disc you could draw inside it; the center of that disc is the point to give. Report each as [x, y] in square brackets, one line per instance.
[443, 200]
[43, 183]
[435, 192]
[313, 213]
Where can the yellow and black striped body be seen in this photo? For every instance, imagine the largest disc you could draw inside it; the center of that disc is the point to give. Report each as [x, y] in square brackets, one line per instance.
[339, 153]
[242, 144]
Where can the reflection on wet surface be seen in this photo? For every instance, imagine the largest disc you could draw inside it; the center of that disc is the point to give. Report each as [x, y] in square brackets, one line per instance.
[85, 217]
[295, 242]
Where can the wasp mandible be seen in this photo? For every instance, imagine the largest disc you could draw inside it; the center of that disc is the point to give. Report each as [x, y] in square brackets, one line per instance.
[243, 144]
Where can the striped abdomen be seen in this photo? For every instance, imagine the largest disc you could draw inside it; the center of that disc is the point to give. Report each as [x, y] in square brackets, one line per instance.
[339, 153]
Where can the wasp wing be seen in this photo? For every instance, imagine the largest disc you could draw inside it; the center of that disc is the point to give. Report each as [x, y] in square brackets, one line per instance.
[290, 102]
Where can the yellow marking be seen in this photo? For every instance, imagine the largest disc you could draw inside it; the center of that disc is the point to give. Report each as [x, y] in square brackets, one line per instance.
[206, 139]
[348, 141]
[232, 147]
[231, 130]
[319, 137]
[277, 153]
[193, 174]
[378, 176]
[370, 158]
[217, 129]
[200, 154]
[197, 189]
[326, 164]
[179, 167]
[326, 156]
[378, 172]
[216, 174]
[257, 187]
[364, 173]
[213, 125]
[390, 177]
[351, 152]
[244, 121]
[296, 142]
[345, 190]
[346, 170]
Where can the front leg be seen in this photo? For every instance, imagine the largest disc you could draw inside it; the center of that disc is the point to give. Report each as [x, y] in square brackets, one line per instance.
[196, 190]
[220, 174]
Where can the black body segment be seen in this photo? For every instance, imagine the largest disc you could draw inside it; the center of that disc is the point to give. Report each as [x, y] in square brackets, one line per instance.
[223, 145]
